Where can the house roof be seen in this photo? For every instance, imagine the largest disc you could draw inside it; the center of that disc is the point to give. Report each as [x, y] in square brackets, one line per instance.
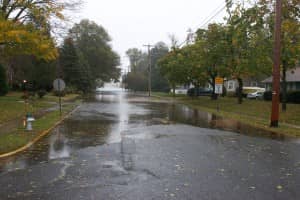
[292, 75]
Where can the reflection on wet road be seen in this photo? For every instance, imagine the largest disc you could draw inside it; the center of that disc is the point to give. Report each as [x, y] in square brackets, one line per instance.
[121, 146]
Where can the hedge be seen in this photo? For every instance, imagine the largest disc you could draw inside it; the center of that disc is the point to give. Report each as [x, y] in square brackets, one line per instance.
[292, 96]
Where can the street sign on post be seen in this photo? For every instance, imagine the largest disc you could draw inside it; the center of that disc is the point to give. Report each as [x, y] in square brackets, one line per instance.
[219, 89]
[219, 85]
[59, 85]
[219, 80]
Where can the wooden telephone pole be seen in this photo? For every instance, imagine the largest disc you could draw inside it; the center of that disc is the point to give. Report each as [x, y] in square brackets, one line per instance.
[149, 67]
[276, 68]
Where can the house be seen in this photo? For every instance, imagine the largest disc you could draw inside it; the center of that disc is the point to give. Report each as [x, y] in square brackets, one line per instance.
[231, 85]
[292, 79]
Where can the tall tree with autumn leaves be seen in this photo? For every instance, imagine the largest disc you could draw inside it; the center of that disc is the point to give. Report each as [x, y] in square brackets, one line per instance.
[290, 36]
[26, 28]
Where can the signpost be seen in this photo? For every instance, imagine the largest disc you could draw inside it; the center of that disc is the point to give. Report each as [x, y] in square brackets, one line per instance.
[218, 88]
[219, 85]
[59, 85]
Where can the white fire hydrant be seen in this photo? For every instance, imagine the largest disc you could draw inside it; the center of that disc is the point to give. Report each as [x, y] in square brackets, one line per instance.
[29, 123]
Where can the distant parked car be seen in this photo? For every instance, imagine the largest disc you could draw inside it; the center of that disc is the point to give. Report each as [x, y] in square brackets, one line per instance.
[180, 91]
[200, 92]
[255, 95]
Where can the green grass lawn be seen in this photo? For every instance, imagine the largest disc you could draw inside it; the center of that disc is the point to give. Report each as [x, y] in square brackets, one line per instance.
[18, 138]
[253, 112]
[12, 106]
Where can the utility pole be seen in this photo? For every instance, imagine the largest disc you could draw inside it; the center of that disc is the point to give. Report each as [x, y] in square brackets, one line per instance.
[149, 67]
[276, 68]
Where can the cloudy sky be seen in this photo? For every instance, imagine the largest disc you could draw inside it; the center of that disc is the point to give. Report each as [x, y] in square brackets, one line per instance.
[132, 23]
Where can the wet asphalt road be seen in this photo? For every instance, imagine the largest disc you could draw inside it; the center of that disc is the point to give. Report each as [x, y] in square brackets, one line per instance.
[119, 146]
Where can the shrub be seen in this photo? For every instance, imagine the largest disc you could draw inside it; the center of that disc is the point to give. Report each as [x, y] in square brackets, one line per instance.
[3, 82]
[268, 95]
[41, 93]
[58, 93]
[293, 97]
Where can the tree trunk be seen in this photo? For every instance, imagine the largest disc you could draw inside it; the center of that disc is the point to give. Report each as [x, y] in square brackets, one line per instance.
[214, 96]
[173, 88]
[196, 92]
[284, 87]
[240, 91]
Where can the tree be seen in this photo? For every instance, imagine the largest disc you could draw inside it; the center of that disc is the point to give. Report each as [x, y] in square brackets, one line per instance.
[211, 46]
[290, 52]
[93, 42]
[193, 62]
[135, 56]
[18, 39]
[137, 81]
[158, 82]
[172, 68]
[26, 24]
[74, 67]
[3, 81]
[26, 29]
[41, 13]
[248, 44]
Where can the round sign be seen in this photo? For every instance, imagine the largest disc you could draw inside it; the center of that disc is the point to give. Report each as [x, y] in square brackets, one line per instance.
[59, 85]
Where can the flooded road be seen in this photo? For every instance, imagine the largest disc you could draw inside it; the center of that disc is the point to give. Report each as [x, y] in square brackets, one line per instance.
[121, 146]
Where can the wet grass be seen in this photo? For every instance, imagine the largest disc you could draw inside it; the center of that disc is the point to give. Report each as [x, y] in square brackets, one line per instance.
[12, 106]
[18, 138]
[253, 112]
[12, 141]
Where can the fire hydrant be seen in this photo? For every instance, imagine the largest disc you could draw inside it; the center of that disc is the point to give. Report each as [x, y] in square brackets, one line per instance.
[29, 121]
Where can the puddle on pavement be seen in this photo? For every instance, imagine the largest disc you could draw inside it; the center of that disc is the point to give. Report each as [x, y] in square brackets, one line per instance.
[102, 118]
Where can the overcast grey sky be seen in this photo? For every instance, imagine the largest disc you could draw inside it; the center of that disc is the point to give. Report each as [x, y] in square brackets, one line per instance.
[132, 23]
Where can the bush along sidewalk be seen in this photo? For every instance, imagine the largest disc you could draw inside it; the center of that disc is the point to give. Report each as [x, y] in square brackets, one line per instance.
[14, 140]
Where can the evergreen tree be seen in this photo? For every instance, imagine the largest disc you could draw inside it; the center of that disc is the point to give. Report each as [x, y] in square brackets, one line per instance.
[74, 67]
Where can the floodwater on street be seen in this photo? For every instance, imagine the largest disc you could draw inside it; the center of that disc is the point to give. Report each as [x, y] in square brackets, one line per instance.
[123, 146]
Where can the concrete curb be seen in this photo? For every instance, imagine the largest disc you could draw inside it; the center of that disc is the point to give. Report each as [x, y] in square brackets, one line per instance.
[40, 136]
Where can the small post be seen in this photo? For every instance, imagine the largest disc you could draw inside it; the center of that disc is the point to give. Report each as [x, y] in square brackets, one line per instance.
[59, 97]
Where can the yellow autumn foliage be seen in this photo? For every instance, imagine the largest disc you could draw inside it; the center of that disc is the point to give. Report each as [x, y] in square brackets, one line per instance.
[21, 39]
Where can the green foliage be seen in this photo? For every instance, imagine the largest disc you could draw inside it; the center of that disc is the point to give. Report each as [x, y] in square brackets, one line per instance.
[41, 93]
[39, 73]
[293, 97]
[3, 81]
[137, 81]
[172, 67]
[139, 64]
[74, 67]
[159, 83]
[137, 60]
[93, 43]
[211, 46]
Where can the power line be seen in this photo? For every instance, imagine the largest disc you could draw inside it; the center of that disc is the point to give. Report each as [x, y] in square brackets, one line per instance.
[208, 19]
[212, 13]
